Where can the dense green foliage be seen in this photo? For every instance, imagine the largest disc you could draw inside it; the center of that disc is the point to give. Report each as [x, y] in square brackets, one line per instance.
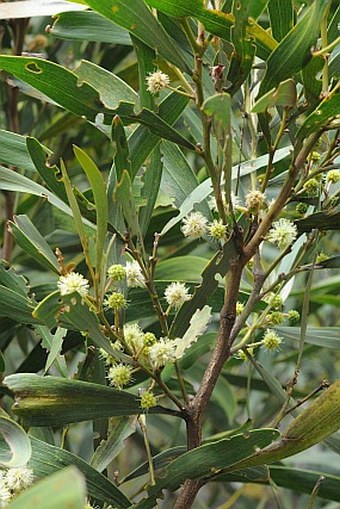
[169, 308]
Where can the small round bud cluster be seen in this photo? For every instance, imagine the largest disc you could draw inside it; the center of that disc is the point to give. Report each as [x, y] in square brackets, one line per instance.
[162, 353]
[148, 400]
[157, 81]
[149, 339]
[271, 340]
[255, 201]
[217, 230]
[116, 272]
[276, 302]
[73, 282]
[315, 156]
[275, 318]
[311, 187]
[282, 233]
[194, 225]
[242, 355]
[120, 375]
[333, 176]
[116, 301]
[293, 316]
[301, 208]
[134, 276]
[239, 308]
[321, 258]
[176, 294]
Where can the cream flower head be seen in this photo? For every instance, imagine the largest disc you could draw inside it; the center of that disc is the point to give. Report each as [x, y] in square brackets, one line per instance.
[282, 233]
[134, 275]
[156, 81]
[73, 282]
[195, 225]
[176, 294]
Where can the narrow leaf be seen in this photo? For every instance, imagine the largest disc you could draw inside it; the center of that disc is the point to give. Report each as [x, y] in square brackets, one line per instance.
[51, 401]
[283, 95]
[33, 243]
[96, 180]
[88, 26]
[120, 429]
[294, 51]
[138, 19]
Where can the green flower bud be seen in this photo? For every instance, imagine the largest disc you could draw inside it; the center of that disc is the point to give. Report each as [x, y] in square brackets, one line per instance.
[149, 339]
[242, 355]
[116, 301]
[311, 187]
[293, 316]
[321, 257]
[333, 176]
[275, 318]
[148, 400]
[301, 208]
[239, 308]
[116, 272]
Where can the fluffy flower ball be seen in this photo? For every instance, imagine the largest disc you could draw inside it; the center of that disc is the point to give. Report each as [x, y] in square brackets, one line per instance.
[195, 225]
[161, 353]
[283, 233]
[73, 282]
[156, 81]
[18, 479]
[134, 275]
[255, 201]
[119, 375]
[271, 340]
[176, 294]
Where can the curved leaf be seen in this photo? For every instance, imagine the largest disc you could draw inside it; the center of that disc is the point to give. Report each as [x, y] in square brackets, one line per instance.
[17, 441]
[32, 242]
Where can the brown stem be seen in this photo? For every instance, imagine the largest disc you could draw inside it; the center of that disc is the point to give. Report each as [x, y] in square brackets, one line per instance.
[228, 314]
[280, 202]
[210, 377]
